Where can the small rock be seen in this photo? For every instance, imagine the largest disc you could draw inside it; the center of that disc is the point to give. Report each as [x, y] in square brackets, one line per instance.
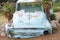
[3, 34]
[54, 24]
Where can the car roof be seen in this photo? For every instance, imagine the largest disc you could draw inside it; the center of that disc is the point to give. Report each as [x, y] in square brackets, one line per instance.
[20, 1]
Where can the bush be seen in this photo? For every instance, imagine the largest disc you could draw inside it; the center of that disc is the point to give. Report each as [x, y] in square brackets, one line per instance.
[8, 10]
[1, 9]
[54, 30]
[56, 9]
[53, 17]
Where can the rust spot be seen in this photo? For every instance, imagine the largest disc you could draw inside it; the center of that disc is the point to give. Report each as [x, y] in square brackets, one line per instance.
[33, 16]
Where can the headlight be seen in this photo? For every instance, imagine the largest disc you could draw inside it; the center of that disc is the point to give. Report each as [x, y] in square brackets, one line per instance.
[11, 32]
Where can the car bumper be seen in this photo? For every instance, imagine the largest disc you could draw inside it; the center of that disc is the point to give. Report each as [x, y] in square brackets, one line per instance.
[25, 33]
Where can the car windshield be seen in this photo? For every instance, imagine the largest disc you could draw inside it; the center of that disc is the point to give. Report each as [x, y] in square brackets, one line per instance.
[29, 6]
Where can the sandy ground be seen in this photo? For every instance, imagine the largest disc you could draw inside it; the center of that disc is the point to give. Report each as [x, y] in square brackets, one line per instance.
[55, 36]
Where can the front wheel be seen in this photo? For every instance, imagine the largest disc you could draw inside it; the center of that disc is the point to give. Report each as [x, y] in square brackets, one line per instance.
[46, 32]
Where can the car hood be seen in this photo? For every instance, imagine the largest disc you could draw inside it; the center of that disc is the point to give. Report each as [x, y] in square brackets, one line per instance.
[36, 19]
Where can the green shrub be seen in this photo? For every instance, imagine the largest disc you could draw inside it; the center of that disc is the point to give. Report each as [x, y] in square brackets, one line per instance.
[56, 9]
[56, 4]
[53, 17]
[1, 9]
[54, 30]
[8, 10]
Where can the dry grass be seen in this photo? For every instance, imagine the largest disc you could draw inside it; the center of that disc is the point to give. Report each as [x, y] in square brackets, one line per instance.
[3, 20]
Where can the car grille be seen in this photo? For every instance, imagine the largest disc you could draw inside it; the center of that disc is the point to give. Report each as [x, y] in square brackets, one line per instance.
[28, 31]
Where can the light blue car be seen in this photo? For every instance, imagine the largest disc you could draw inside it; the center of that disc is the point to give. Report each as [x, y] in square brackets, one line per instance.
[29, 20]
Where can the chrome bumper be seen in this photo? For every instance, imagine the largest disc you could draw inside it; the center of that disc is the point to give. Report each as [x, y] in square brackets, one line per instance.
[25, 33]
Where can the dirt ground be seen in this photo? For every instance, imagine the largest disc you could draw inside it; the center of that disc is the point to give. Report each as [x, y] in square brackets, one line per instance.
[55, 36]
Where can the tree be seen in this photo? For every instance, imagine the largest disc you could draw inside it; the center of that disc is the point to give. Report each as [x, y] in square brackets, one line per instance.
[8, 10]
[47, 7]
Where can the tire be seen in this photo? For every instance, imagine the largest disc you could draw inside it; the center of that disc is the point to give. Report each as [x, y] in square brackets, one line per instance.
[46, 32]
